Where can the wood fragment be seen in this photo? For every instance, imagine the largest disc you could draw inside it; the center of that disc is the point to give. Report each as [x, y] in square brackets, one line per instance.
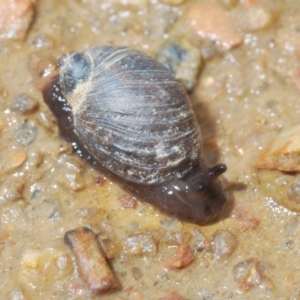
[91, 262]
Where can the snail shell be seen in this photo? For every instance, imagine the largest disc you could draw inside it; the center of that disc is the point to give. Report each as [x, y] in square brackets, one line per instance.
[136, 119]
[131, 114]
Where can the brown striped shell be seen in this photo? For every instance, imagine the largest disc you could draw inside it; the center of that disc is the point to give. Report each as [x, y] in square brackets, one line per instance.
[131, 113]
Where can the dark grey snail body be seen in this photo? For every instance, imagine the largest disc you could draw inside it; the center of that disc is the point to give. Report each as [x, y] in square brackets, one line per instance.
[135, 118]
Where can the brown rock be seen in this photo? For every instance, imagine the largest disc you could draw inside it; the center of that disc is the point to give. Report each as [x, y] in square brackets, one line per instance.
[15, 18]
[284, 152]
[210, 21]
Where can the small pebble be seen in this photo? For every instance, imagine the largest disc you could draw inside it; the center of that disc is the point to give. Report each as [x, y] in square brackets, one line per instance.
[127, 201]
[136, 273]
[177, 238]
[34, 159]
[294, 192]
[15, 18]
[224, 243]
[291, 227]
[26, 134]
[171, 296]
[47, 120]
[250, 273]
[201, 242]
[24, 104]
[70, 172]
[39, 265]
[182, 58]
[283, 153]
[140, 244]
[11, 191]
[211, 21]
[244, 219]
[11, 161]
[254, 18]
[12, 212]
[17, 295]
[180, 259]
[100, 180]
[170, 223]
[17, 159]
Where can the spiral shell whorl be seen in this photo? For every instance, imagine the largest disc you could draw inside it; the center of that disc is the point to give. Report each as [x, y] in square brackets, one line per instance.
[138, 114]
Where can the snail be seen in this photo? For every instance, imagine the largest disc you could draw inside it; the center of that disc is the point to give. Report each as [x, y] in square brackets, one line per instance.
[136, 119]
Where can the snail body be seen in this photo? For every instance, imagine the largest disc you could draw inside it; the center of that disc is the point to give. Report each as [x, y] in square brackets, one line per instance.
[136, 119]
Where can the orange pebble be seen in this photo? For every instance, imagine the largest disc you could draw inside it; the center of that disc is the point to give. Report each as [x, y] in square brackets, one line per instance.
[210, 21]
[17, 159]
[180, 259]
